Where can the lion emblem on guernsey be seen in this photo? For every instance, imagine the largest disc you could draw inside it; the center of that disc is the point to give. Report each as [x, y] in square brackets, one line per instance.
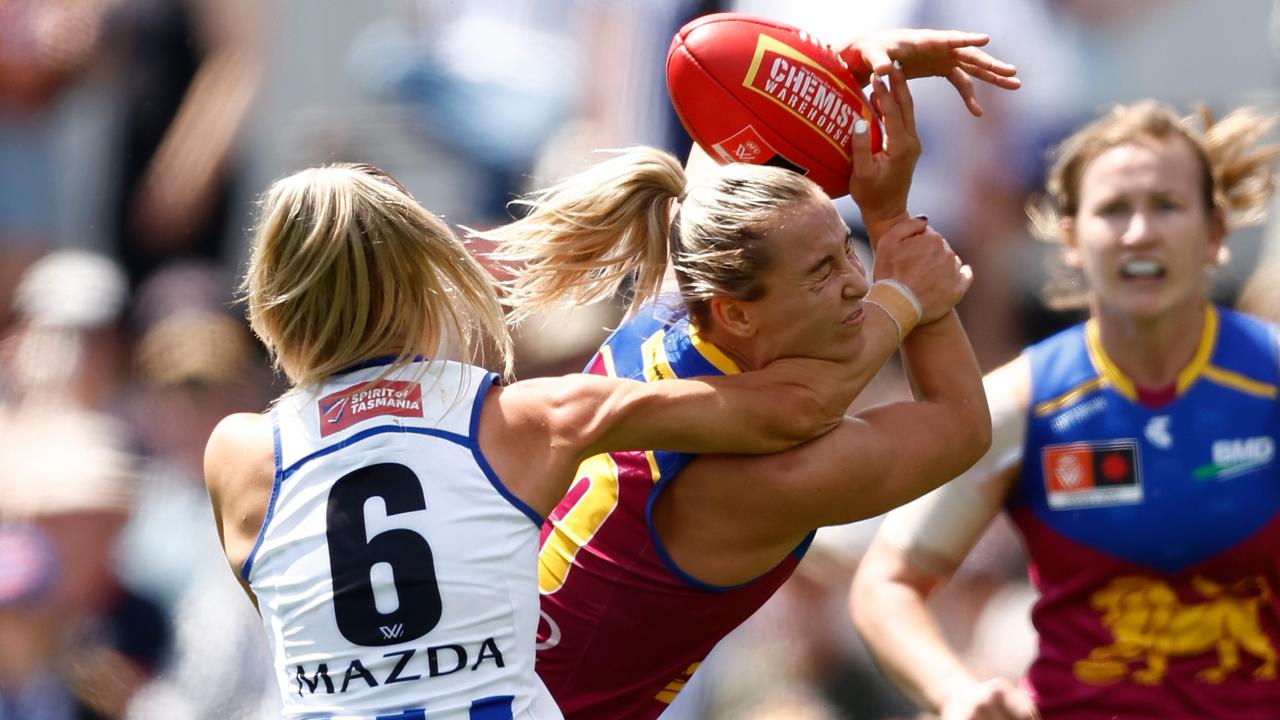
[1149, 625]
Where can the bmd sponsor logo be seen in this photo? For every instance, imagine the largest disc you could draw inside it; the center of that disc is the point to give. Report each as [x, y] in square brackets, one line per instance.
[1237, 456]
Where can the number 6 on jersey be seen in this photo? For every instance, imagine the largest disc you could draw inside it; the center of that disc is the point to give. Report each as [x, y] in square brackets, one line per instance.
[368, 612]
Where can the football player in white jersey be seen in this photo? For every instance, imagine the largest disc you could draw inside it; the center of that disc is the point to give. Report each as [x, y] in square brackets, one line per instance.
[384, 514]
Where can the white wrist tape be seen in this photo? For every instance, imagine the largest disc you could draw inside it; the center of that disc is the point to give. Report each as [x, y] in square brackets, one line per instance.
[898, 302]
[906, 292]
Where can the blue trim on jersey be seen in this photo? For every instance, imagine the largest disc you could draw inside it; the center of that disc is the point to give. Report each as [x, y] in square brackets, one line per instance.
[483, 462]
[1249, 344]
[693, 582]
[366, 434]
[685, 361]
[495, 707]
[411, 714]
[803, 547]
[373, 362]
[271, 504]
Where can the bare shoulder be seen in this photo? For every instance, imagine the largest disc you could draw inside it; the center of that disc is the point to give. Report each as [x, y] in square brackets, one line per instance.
[240, 441]
[521, 433]
[1010, 382]
[539, 411]
[239, 470]
[510, 414]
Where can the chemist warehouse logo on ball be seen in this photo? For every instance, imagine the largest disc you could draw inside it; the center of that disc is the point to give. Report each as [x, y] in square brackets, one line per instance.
[804, 88]
[1237, 456]
[358, 403]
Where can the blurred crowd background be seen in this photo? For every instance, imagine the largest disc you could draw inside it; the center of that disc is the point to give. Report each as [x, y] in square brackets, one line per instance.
[135, 135]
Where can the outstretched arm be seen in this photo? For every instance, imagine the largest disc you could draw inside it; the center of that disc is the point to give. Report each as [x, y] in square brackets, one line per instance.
[894, 453]
[536, 432]
[889, 608]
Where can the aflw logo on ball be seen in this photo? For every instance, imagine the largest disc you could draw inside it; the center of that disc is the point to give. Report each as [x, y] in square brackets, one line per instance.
[804, 88]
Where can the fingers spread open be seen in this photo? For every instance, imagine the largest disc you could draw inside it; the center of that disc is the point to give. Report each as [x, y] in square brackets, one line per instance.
[964, 85]
[890, 114]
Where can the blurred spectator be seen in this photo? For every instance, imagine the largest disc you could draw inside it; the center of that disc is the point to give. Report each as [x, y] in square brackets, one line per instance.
[193, 368]
[74, 644]
[193, 364]
[492, 81]
[190, 70]
[518, 86]
[65, 344]
[44, 47]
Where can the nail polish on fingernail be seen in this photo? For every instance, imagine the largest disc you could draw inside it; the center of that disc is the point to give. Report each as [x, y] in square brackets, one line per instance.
[897, 64]
[860, 127]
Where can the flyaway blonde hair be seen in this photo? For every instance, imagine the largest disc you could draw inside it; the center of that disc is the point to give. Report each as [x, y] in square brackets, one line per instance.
[346, 265]
[626, 218]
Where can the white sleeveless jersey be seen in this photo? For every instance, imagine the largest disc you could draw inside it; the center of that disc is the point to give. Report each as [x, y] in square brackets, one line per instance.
[395, 574]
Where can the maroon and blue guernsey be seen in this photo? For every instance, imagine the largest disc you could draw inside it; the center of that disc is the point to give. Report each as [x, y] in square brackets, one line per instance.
[1153, 530]
[623, 628]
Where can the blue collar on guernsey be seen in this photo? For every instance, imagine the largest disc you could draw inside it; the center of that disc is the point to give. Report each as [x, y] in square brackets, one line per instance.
[374, 362]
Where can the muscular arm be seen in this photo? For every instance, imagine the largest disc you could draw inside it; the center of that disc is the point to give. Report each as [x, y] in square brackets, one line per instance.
[536, 432]
[788, 402]
[918, 548]
[876, 460]
[893, 453]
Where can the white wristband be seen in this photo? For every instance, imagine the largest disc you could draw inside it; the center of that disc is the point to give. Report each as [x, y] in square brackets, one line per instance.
[906, 292]
[898, 302]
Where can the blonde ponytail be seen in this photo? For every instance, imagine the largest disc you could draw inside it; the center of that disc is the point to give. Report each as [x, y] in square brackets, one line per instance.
[584, 236]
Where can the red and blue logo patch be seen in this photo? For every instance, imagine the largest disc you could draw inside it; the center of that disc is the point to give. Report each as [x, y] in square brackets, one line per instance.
[1092, 474]
[357, 403]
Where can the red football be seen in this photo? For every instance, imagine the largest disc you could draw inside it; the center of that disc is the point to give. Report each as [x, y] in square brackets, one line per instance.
[749, 89]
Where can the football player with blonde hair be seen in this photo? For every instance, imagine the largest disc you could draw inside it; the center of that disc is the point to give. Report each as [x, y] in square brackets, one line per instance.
[384, 513]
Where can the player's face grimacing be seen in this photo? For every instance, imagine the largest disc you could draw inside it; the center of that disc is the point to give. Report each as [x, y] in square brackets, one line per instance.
[812, 304]
[1142, 234]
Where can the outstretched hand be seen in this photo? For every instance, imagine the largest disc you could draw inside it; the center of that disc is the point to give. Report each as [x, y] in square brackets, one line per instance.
[951, 54]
